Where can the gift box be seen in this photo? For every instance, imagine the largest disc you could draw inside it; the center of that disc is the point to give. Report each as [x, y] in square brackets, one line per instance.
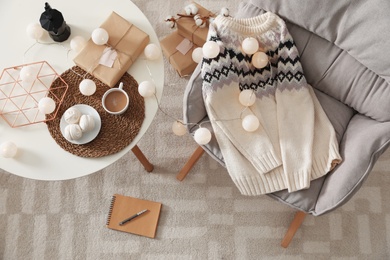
[172, 46]
[127, 40]
[188, 29]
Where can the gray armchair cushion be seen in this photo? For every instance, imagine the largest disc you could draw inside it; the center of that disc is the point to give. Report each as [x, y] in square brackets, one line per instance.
[350, 75]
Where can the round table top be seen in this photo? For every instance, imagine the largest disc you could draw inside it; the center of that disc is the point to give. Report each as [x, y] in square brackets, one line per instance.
[39, 156]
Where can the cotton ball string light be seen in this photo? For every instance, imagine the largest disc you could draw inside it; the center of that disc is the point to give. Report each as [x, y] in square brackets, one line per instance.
[77, 43]
[34, 30]
[146, 89]
[46, 105]
[250, 45]
[247, 97]
[250, 123]
[100, 36]
[210, 49]
[87, 87]
[260, 60]
[197, 54]
[8, 149]
[178, 128]
[27, 74]
[152, 52]
[202, 136]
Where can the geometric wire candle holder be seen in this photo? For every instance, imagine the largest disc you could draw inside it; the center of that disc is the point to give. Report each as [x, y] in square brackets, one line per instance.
[21, 89]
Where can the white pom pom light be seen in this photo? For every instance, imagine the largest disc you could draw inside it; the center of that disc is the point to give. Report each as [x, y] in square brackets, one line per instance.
[210, 49]
[202, 136]
[146, 89]
[152, 52]
[46, 105]
[178, 128]
[247, 97]
[100, 36]
[87, 87]
[250, 123]
[260, 60]
[197, 54]
[8, 149]
[27, 74]
[34, 30]
[77, 43]
[250, 45]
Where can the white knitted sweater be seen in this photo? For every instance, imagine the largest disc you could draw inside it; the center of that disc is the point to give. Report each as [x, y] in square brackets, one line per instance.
[295, 142]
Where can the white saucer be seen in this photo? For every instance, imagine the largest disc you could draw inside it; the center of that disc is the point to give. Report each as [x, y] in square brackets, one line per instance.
[88, 136]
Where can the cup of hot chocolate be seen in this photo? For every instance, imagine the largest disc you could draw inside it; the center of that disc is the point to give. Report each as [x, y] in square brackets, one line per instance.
[115, 100]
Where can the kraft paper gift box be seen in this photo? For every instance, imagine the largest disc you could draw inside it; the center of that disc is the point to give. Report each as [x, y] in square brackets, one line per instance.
[125, 38]
[188, 29]
[183, 63]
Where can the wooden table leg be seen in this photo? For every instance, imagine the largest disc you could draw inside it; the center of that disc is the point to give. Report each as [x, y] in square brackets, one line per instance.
[295, 224]
[141, 157]
[190, 163]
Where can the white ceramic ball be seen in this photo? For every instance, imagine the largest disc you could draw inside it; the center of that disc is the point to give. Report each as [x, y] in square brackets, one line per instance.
[73, 132]
[87, 87]
[8, 149]
[72, 115]
[197, 54]
[27, 74]
[260, 60]
[178, 128]
[34, 30]
[100, 36]
[202, 136]
[250, 45]
[86, 123]
[210, 49]
[46, 105]
[146, 89]
[250, 123]
[152, 51]
[77, 43]
[247, 97]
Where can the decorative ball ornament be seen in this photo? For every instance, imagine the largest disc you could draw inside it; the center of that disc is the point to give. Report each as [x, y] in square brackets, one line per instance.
[197, 54]
[46, 105]
[35, 31]
[250, 45]
[210, 49]
[250, 123]
[100, 36]
[77, 43]
[152, 52]
[247, 97]
[202, 136]
[27, 74]
[8, 149]
[87, 87]
[260, 60]
[178, 128]
[146, 89]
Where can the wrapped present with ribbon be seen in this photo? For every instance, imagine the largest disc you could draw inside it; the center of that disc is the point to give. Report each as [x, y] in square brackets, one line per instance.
[187, 27]
[109, 62]
[178, 51]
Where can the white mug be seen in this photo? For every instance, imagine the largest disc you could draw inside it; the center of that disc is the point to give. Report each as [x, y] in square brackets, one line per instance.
[115, 100]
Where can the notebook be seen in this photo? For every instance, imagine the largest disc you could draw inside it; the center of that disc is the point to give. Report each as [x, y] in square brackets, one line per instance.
[123, 207]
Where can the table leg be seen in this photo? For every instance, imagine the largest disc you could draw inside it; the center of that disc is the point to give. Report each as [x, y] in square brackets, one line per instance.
[141, 157]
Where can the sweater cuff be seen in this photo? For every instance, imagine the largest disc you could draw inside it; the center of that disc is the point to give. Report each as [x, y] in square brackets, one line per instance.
[266, 163]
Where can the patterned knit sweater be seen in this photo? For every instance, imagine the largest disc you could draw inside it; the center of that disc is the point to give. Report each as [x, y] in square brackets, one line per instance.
[295, 142]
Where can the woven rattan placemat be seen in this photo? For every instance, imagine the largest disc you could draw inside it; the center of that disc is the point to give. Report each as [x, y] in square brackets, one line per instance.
[117, 131]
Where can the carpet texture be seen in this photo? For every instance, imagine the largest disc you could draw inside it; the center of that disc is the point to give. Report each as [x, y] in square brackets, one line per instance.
[203, 217]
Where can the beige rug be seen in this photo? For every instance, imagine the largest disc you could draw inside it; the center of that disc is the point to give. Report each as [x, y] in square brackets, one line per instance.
[203, 217]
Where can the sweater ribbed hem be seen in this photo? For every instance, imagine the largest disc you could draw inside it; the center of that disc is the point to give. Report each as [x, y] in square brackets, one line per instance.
[249, 26]
[323, 165]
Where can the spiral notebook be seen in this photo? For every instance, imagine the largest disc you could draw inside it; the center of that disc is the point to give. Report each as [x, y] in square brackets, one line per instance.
[123, 207]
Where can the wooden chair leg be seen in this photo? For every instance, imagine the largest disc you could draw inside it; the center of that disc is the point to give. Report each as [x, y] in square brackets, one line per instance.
[295, 224]
[190, 163]
[141, 157]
